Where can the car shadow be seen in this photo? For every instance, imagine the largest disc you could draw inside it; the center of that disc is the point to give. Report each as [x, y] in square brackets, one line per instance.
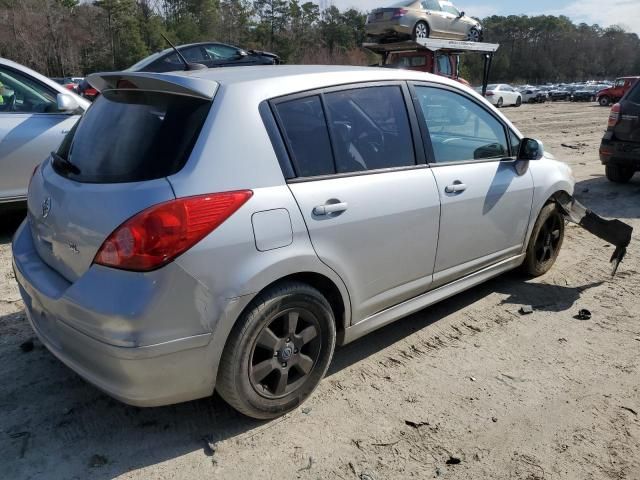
[612, 200]
[91, 423]
[10, 219]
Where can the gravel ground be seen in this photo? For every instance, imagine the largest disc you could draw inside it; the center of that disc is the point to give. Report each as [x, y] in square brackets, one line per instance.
[467, 389]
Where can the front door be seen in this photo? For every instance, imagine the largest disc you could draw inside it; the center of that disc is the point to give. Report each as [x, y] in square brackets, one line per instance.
[485, 203]
[30, 128]
[372, 212]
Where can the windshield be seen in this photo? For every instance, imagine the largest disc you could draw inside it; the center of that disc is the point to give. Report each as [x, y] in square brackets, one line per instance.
[130, 136]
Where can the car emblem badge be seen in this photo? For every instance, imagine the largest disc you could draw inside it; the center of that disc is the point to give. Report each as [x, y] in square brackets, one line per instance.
[46, 207]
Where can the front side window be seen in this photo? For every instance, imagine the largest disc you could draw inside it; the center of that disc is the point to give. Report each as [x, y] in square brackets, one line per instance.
[514, 140]
[460, 130]
[449, 8]
[444, 65]
[620, 83]
[370, 129]
[221, 52]
[191, 54]
[431, 5]
[21, 94]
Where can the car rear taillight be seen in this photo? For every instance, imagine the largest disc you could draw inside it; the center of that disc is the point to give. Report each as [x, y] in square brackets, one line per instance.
[489, 94]
[399, 12]
[157, 235]
[614, 115]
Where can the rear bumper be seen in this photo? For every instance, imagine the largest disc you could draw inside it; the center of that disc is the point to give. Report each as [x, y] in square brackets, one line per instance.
[616, 152]
[169, 371]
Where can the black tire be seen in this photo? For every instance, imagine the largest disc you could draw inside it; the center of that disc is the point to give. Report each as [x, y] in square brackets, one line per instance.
[545, 242]
[261, 348]
[421, 30]
[604, 101]
[519, 101]
[618, 174]
[500, 103]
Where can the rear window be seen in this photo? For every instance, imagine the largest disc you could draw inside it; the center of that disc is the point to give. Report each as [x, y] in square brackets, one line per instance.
[634, 94]
[131, 136]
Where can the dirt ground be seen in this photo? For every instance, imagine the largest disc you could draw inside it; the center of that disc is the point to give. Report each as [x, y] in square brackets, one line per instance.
[468, 381]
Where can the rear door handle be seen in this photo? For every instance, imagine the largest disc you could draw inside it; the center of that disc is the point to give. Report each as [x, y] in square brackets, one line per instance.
[456, 187]
[328, 208]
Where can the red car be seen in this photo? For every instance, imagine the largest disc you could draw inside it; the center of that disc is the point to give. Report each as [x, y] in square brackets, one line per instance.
[611, 95]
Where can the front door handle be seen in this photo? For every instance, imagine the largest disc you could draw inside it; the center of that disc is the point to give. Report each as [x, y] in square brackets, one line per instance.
[456, 187]
[328, 208]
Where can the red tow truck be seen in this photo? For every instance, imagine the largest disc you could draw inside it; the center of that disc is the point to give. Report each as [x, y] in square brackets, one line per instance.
[611, 95]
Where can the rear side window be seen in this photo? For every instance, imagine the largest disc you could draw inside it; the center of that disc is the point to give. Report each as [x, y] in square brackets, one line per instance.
[634, 94]
[357, 130]
[305, 129]
[130, 136]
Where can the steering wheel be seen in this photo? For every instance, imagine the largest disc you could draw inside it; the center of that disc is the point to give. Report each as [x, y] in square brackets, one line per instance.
[10, 105]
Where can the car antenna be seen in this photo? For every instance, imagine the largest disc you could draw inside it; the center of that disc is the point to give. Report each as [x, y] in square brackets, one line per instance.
[187, 65]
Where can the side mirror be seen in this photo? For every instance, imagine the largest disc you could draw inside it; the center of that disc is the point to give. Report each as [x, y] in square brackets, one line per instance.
[66, 102]
[242, 53]
[530, 149]
[461, 14]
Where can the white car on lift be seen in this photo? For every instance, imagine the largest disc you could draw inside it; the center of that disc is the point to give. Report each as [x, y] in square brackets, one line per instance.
[503, 95]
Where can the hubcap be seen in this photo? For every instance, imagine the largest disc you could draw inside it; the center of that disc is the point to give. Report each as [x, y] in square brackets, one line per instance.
[548, 239]
[285, 352]
[474, 35]
[421, 31]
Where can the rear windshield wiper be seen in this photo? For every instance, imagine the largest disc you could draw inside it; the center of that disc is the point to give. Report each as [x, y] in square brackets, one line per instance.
[64, 164]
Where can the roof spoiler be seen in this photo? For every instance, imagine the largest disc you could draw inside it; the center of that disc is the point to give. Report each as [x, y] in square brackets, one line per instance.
[158, 82]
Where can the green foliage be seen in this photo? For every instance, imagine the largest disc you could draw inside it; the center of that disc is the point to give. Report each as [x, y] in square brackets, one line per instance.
[64, 37]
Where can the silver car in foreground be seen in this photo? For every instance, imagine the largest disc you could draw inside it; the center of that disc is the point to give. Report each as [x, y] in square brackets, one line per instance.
[35, 115]
[227, 228]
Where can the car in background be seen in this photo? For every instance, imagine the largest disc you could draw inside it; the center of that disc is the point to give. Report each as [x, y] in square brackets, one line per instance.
[584, 94]
[211, 230]
[35, 115]
[622, 85]
[620, 146]
[532, 95]
[559, 94]
[209, 54]
[416, 19]
[70, 83]
[503, 95]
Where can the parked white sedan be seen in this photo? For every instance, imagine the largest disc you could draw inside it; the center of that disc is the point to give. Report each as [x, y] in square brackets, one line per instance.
[35, 115]
[503, 95]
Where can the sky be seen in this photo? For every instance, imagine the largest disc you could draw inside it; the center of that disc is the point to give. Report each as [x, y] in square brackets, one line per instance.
[625, 13]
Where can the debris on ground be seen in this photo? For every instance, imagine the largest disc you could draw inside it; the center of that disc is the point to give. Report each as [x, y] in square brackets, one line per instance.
[210, 445]
[366, 476]
[306, 410]
[494, 419]
[308, 466]
[583, 314]
[473, 379]
[453, 461]
[629, 409]
[27, 346]
[526, 310]
[98, 461]
[415, 424]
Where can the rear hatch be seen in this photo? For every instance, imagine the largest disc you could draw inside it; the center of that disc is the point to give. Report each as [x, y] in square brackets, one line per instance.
[112, 165]
[628, 127]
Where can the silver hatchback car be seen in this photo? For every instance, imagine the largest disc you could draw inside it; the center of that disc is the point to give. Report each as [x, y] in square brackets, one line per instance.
[227, 228]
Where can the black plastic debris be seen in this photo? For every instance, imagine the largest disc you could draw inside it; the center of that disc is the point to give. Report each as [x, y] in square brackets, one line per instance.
[453, 461]
[583, 314]
[614, 232]
[526, 310]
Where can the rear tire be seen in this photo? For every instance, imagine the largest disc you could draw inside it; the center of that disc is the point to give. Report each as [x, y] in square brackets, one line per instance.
[421, 30]
[545, 242]
[618, 174]
[519, 101]
[278, 351]
[500, 103]
[604, 101]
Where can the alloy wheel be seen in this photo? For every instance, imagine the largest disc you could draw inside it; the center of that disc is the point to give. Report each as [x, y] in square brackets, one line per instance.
[474, 35]
[548, 239]
[422, 31]
[285, 353]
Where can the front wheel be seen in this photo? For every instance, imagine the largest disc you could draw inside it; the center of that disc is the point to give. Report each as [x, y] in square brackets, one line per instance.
[545, 242]
[421, 30]
[604, 101]
[618, 174]
[474, 35]
[278, 351]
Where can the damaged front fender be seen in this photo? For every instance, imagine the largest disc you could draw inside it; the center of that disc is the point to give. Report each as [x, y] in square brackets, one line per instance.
[615, 232]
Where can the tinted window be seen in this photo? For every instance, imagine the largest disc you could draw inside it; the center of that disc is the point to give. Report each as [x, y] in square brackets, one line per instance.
[129, 136]
[460, 129]
[22, 94]
[305, 129]
[221, 52]
[634, 94]
[515, 143]
[191, 54]
[370, 129]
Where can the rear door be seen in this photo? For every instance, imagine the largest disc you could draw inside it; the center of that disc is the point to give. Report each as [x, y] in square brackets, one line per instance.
[371, 208]
[628, 127]
[30, 128]
[485, 203]
[436, 17]
[111, 166]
